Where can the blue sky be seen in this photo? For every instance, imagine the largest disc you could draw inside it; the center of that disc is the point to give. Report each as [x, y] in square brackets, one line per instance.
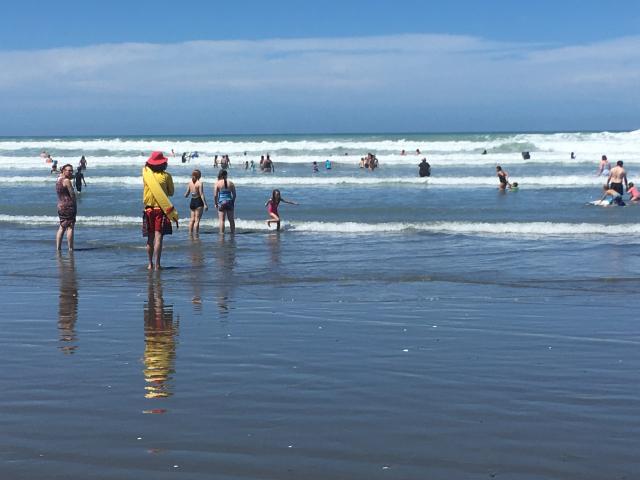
[294, 66]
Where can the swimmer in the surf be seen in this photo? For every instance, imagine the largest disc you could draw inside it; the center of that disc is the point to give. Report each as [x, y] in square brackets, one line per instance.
[634, 193]
[503, 178]
[315, 167]
[272, 208]
[514, 187]
[604, 168]
[613, 197]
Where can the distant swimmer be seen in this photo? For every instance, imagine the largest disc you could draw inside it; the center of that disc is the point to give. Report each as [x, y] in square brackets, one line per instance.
[327, 164]
[604, 168]
[79, 179]
[573, 156]
[252, 166]
[184, 157]
[484, 152]
[54, 166]
[215, 161]
[315, 167]
[246, 163]
[634, 193]
[225, 163]
[424, 169]
[526, 155]
[272, 208]
[503, 178]
[617, 176]
[83, 163]
[514, 187]
[612, 197]
[267, 165]
[198, 203]
[417, 151]
[403, 152]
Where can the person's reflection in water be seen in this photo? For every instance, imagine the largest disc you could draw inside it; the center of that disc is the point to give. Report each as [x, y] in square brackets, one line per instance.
[226, 257]
[273, 240]
[68, 305]
[196, 272]
[159, 341]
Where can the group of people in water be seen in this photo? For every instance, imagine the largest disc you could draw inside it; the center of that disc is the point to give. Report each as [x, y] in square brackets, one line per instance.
[613, 190]
[158, 187]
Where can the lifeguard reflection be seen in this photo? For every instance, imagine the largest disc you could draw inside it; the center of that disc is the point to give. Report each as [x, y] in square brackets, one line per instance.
[226, 260]
[68, 303]
[160, 342]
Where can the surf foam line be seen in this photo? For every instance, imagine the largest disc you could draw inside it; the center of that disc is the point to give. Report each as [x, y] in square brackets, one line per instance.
[508, 229]
[322, 180]
[516, 142]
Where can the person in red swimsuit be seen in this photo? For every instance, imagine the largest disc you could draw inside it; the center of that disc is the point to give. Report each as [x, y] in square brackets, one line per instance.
[272, 208]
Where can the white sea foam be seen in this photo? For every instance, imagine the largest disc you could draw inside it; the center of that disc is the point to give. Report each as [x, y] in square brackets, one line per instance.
[328, 181]
[585, 145]
[500, 229]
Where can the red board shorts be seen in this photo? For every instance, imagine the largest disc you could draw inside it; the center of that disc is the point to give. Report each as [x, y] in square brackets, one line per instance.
[154, 220]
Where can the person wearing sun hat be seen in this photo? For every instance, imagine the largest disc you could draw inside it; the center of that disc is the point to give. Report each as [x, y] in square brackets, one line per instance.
[158, 210]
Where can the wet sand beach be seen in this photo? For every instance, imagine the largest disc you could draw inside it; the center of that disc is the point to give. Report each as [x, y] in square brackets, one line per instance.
[280, 356]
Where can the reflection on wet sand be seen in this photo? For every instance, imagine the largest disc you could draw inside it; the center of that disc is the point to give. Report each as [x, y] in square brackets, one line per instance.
[159, 341]
[226, 258]
[274, 248]
[68, 303]
[196, 253]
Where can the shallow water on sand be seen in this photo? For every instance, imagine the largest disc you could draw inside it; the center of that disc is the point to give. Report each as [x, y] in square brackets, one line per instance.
[288, 356]
[396, 328]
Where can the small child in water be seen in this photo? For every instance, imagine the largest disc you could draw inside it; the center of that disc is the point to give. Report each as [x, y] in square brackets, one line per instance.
[514, 187]
[272, 208]
[634, 194]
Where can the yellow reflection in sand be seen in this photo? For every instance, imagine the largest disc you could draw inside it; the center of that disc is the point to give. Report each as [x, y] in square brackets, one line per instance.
[160, 333]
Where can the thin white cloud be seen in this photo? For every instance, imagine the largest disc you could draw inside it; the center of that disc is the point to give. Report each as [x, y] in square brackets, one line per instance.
[407, 71]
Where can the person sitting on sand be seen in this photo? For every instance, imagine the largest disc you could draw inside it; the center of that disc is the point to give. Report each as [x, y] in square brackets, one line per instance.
[613, 197]
[503, 178]
[272, 208]
[634, 193]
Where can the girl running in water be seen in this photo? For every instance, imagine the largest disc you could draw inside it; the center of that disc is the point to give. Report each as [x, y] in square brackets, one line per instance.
[272, 208]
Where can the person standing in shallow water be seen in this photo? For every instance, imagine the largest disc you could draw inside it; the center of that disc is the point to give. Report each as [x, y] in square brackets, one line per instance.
[224, 196]
[503, 178]
[424, 169]
[155, 223]
[67, 206]
[198, 202]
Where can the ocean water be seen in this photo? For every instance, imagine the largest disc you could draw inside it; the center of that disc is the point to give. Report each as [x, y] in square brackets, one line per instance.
[397, 327]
